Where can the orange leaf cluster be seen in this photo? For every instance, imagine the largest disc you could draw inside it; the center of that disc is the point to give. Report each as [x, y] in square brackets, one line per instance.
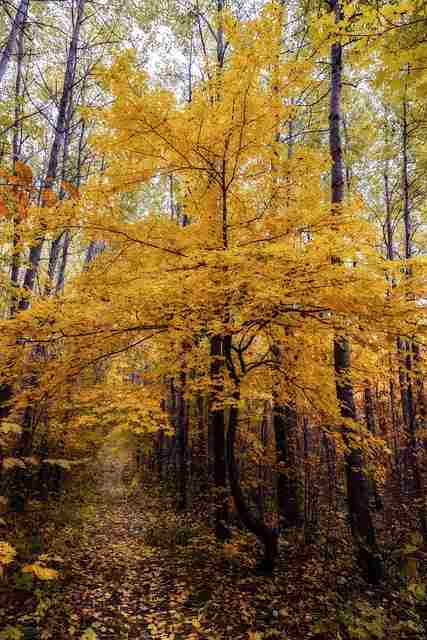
[16, 191]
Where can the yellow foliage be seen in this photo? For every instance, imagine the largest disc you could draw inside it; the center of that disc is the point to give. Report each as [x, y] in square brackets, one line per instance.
[40, 571]
[7, 553]
[13, 463]
[254, 263]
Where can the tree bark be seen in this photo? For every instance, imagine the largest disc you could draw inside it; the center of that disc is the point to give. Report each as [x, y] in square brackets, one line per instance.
[69, 77]
[370, 424]
[409, 395]
[16, 150]
[268, 537]
[217, 420]
[357, 490]
[17, 25]
[182, 440]
[29, 419]
[285, 425]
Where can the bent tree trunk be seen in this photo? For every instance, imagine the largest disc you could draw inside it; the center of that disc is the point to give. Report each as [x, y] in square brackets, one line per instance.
[268, 537]
[285, 425]
[357, 488]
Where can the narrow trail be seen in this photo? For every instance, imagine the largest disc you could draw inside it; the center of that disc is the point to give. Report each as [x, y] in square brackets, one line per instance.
[121, 588]
[116, 585]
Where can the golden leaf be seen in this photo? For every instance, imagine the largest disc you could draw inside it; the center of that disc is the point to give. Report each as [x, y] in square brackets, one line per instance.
[12, 463]
[49, 198]
[7, 553]
[40, 572]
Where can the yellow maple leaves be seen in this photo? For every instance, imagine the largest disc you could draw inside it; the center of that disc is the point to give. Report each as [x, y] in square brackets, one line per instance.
[39, 568]
[40, 571]
[7, 555]
[256, 252]
[18, 192]
[253, 260]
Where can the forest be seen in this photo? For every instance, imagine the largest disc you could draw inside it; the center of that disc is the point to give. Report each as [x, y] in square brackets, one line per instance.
[213, 319]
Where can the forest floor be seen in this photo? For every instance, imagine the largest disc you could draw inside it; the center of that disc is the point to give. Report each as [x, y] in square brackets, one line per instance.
[129, 571]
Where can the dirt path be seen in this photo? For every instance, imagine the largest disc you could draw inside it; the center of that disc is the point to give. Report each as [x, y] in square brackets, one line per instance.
[133, 570]
[118, 586]
[121, 588]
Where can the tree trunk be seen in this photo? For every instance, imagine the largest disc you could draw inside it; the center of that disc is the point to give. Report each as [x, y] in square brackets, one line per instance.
[29, 421]
[285, 424]
[268, 537]
[200, 470]
[55, 246]
[409, 345]
[16, 150]
[182, 440]
[17, 25]
[262, 470]
[357, 490]
[217, 419]
[370, 423]
[36, 250]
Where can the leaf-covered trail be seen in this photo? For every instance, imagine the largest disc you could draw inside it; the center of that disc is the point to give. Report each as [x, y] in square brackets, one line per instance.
[117, 585]
[123, 581]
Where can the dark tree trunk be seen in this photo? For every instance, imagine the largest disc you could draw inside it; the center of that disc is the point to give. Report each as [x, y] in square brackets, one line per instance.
[159, 448]
[55, 246]
[17, 33]
[370, 423]
[199, 466]
[182, 441]
[16, 149]
[330, 456]
[410, 348]
[262, 471]
[217, 418]
[36, 249]
[285, 424]
[65, 247]
[268, 537]
[357, 490]
[311, 487]
[29, 421]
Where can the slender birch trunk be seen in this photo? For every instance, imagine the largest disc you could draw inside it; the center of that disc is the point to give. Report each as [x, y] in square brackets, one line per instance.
[52, 169]
[17, 27]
